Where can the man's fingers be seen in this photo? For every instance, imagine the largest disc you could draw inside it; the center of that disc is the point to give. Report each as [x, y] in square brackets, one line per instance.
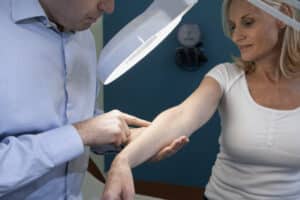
[171, 149]
[125, 128]
[164, 153]
[179, 143]
[135, 121]
[184, 139]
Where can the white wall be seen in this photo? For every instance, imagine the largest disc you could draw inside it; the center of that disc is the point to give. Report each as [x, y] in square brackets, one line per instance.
[97, 30]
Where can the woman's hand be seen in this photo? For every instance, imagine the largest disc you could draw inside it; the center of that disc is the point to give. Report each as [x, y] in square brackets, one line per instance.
[119, 183]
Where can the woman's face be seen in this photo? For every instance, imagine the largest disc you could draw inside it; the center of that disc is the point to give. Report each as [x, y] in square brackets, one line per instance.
[256, 33]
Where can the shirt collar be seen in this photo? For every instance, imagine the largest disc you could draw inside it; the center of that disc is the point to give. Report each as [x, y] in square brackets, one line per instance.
[26, 9]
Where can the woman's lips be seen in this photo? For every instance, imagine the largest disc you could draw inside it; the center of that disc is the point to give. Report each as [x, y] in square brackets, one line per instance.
[244, 47]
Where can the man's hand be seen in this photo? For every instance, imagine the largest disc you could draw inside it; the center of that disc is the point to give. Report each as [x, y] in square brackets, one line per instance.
[171, 149]
[119, 183]
[166, 151]
[109, 128]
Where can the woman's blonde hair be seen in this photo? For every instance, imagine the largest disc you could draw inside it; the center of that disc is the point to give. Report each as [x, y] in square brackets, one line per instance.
[290, 52]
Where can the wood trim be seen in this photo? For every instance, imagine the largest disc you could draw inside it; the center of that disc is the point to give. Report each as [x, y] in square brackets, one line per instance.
[95, 171]
[156, 189]
[168, 191]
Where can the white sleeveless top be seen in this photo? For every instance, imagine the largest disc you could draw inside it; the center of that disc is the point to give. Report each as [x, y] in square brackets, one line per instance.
[259, 156]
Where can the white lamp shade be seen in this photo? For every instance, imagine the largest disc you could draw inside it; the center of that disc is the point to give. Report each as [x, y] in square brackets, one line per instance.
[140, 36]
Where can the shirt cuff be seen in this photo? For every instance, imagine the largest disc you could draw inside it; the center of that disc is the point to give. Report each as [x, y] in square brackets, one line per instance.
[62, 144]
[98, 112]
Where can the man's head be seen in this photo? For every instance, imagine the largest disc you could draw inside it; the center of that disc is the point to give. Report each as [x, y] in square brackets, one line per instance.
[75, 15]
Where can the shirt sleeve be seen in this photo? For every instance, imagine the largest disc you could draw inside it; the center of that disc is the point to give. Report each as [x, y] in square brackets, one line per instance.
[28, 157]
[225, 74]
[103, 148]
[219, 73]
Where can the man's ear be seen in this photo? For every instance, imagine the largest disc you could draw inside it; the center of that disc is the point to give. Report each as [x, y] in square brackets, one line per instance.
[287, 10]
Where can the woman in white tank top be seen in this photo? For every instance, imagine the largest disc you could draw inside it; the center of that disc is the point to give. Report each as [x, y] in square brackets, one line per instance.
[258, 98]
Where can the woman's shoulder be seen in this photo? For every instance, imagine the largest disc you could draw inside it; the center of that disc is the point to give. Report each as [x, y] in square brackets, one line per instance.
[228, 67]
[229, 70]
[227, 74]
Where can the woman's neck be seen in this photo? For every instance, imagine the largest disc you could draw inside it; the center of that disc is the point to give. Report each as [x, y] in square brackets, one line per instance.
[269, 67]
[268, 71]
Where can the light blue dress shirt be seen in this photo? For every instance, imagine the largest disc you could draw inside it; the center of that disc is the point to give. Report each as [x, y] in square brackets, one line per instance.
[47, 82]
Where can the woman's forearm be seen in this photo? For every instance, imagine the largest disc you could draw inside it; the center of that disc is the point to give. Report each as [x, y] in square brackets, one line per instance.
[181, 120]
[166, 127]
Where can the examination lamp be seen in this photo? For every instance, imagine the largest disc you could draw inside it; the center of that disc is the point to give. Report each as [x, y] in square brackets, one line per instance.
[140, 36]
[279, 15]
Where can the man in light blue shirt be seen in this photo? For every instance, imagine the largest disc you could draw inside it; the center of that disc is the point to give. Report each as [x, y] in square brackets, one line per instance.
[47, 89]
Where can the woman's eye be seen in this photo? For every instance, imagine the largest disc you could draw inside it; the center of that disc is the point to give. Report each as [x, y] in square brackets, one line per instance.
[231, 27]
[247, 22]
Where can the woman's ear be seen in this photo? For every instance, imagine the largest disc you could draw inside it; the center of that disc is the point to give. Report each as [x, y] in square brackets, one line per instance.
[287, 10]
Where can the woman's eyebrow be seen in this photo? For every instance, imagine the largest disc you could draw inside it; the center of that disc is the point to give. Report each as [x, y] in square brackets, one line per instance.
[243, 17]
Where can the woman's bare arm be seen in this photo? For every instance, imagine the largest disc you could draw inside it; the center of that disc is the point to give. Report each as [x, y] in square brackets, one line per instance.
[180, 120]
[183, 119]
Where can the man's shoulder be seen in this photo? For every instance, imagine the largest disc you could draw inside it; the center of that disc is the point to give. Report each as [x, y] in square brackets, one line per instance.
[6, 21]
[5, 11]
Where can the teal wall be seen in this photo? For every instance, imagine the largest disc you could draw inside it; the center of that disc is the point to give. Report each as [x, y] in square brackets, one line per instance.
[156, 83]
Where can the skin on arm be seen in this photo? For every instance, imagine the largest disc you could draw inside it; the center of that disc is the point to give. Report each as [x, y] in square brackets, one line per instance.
[166, 151]
[181, 120]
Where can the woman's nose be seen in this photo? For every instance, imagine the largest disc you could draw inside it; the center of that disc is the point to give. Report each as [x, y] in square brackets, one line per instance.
[237, 35]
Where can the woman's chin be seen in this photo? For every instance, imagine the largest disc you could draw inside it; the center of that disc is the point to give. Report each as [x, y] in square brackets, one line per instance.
[247, 58]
